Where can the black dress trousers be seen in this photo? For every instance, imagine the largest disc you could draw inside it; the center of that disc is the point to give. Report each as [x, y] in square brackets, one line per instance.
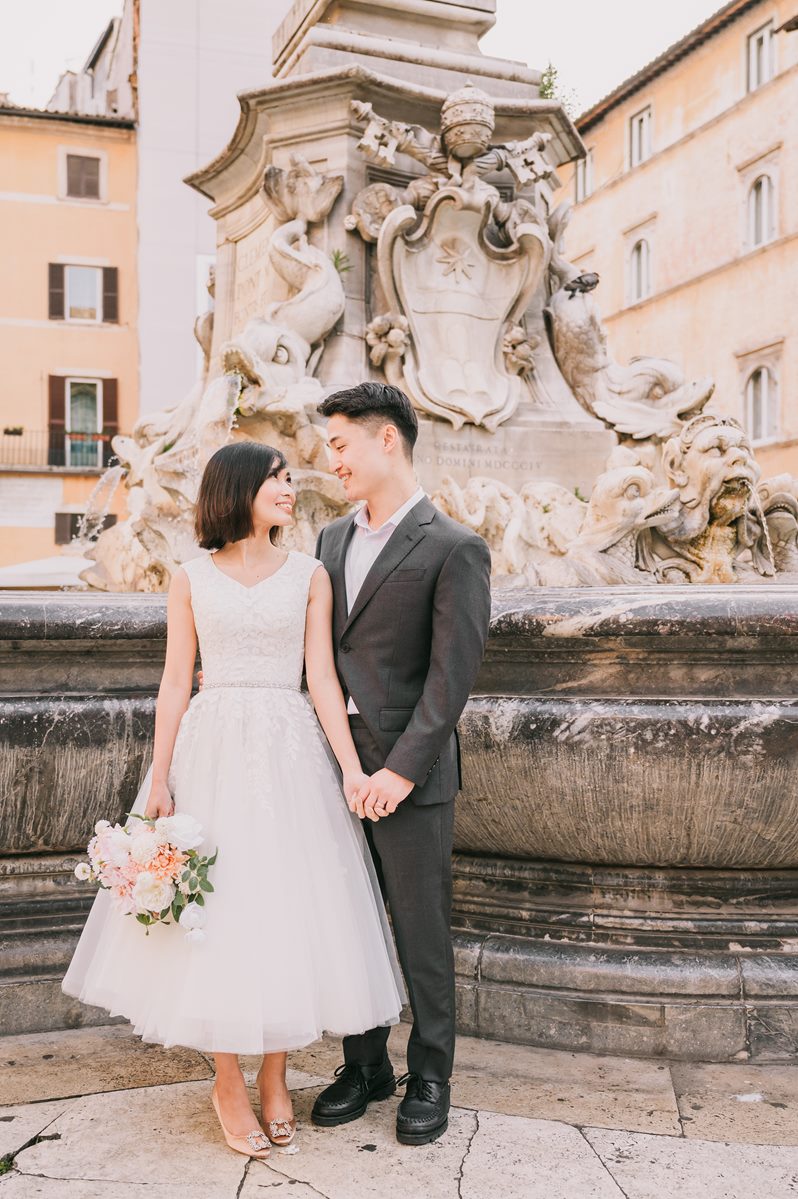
[412, 851]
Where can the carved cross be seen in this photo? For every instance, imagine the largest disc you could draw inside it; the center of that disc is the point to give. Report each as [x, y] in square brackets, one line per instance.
[526, 160]
[379, 140]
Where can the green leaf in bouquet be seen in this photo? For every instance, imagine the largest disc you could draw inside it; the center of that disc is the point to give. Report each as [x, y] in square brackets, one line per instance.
[200, 899]
[205, 885]
[210, 861]
[185, 876]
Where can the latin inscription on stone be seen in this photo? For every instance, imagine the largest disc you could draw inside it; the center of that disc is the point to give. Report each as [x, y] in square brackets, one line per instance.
[515, 455]
[254, 277]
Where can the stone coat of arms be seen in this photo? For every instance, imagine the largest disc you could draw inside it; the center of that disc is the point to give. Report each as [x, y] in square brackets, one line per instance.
[458, 265]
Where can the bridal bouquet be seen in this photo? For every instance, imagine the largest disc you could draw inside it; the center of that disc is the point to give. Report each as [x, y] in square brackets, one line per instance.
[152, 869]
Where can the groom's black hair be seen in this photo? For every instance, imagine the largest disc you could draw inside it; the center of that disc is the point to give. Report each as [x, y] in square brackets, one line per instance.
[231, 480]
[377, 404]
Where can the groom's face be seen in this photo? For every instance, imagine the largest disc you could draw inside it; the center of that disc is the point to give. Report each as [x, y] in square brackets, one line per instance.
[362, 454]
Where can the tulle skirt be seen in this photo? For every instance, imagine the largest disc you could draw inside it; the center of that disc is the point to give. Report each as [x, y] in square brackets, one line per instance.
[297, 942]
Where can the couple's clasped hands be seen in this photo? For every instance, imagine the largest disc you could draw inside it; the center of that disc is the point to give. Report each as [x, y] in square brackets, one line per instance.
[376, 796]
[371, 797]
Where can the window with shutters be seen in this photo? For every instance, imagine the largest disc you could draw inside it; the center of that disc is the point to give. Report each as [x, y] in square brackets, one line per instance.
[83, 420]
[82, 174]
[83, 293]
[83, 177]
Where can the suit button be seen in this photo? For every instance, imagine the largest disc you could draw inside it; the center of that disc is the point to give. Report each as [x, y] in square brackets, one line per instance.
[345, 648]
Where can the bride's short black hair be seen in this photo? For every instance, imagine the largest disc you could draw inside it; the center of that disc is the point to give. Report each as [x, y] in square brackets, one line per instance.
[230, 482]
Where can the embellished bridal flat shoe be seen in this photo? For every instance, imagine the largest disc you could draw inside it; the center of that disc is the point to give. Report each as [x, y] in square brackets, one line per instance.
[254, 1144]
[279, 1132]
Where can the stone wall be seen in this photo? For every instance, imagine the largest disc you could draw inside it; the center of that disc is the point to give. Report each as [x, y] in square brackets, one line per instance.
[626, 875]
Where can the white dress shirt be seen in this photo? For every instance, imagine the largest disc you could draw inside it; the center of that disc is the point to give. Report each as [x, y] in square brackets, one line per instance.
[365, 548]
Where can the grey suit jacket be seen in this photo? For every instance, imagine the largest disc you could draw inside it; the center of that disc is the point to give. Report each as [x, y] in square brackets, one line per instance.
[409, 651]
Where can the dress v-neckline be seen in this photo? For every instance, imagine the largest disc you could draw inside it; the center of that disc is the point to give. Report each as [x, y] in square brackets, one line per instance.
[243, 586]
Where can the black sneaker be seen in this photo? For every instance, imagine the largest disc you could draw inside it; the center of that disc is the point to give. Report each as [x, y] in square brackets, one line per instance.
[356, 1087]
[423, 1114]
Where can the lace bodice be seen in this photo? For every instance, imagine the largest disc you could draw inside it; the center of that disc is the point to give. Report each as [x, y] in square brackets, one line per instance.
[251, 636]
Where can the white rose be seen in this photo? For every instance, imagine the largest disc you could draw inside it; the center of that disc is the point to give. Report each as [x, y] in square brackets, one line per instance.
[117, 845]
[83, 871]
[101, 824]
[181, 830]
[152, 894]
[143, 845]
[192, 917]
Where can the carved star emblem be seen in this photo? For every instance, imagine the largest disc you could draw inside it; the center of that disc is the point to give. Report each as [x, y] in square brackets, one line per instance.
[455, 261]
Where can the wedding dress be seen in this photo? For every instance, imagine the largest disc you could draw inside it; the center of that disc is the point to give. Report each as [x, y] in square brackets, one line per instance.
[296, 938]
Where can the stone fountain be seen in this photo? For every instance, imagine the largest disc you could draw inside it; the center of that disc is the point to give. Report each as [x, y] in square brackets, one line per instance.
[627, 863]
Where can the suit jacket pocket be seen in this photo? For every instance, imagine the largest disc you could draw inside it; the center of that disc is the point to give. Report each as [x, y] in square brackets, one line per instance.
[408, 575]
[395, 720]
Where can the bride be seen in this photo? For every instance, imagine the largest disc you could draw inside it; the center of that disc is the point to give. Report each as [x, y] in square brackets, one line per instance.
[296, 938]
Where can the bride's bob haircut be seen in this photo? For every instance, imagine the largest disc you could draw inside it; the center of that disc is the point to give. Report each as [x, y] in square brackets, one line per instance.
[230, 482]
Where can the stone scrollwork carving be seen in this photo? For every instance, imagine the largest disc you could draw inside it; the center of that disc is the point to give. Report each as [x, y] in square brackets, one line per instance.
[778, 498]
[519, 348]
[370, 208]
[203, 325]
[719, 515]
[535, 525]
[290, 329]
[388, 337]
[458, 263]
[266, 392]
[647, 400]
[625, 502]
[691, 514]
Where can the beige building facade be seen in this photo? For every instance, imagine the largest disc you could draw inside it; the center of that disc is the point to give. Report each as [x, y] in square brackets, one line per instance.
[68, 340]
[687, 208]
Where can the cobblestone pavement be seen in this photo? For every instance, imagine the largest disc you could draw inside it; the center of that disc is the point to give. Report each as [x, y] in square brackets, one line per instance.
[95, 1114]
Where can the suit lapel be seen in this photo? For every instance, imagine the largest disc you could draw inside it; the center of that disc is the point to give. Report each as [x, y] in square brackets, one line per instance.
[406, 535]
[336, 564]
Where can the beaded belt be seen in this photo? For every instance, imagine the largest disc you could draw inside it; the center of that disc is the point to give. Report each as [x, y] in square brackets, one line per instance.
[260, 686]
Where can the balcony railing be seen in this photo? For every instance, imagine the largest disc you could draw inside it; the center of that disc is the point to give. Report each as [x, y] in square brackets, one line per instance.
[40, 447]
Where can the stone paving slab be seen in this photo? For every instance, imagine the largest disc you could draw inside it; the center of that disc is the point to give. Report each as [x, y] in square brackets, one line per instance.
[513, 1158]
[21, 1123]
[363, 1160]
[554, 1085]
[652, 1167]
[756, 1105]
[165, 1136]
[81, 1061]
[527, 1124]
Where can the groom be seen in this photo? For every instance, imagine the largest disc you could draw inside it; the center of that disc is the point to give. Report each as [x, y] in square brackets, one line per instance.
[410, 621]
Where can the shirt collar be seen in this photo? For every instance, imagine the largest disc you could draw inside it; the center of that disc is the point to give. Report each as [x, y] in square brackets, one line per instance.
[362, 517]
